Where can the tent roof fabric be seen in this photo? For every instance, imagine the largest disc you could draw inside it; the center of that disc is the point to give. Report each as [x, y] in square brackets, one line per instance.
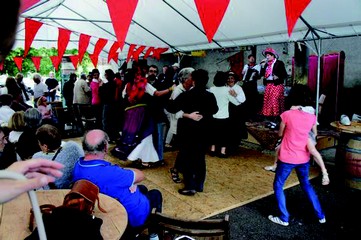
[176, 23]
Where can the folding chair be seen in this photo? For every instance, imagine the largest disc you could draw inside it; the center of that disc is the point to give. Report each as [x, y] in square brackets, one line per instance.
[173, 228]
[87, 116]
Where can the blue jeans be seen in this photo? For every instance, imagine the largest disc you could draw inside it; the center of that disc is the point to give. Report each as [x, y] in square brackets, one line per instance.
[159, 144]
[154, 196]
[283, 171]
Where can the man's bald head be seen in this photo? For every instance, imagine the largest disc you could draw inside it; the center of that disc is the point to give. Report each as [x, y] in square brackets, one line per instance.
[95, 141]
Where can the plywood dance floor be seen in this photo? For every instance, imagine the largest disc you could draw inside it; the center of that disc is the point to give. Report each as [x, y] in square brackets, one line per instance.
[230, 183]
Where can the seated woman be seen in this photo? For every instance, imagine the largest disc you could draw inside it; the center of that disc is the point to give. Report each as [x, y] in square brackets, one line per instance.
[47, 114]
[16, 126]
[26, 145]
[49, 139]
[7, 149]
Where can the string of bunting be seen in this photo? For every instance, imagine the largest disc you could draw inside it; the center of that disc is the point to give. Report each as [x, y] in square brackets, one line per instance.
[32, 27]
[211, 13]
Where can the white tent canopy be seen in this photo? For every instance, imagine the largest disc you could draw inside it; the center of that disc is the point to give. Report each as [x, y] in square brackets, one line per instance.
[176, 23]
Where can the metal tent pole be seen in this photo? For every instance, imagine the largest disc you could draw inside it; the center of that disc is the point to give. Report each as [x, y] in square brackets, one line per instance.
[318, 75]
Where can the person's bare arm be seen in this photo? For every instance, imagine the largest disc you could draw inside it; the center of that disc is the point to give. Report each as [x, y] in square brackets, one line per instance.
[139, 175]
[39, 172]
[314, 130]
[163, 92]
[194, 116]
[282, 129]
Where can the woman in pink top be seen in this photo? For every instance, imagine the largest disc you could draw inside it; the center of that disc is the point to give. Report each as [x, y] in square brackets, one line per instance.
[293, 154]
[95, 102]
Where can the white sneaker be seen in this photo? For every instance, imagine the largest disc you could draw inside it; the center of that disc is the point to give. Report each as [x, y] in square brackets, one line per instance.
[344, 120]
[278, 220]
[153, 236]
[356, 118]
[322, 220]
[270, 168]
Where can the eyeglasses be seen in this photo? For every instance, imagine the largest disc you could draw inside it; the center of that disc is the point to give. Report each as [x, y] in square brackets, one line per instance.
[153, 71]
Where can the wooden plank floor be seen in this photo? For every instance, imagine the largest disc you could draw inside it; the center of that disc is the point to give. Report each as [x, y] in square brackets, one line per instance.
[230, 183]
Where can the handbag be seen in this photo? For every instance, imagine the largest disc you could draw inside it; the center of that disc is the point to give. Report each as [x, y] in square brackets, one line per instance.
[74, 219]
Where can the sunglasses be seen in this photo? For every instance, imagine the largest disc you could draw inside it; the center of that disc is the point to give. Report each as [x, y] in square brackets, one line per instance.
[153, 71]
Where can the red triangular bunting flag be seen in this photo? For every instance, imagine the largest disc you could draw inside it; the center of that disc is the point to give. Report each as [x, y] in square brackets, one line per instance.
[294, 9]
[126, 10]
[36, 61]
[113, 54]
[56, 61]
[19, 62]
[211, 13]
[25, 4]
[148, 52]
[63, 40]
[94, 59]
[31, 28]
[97, 49]
[134, 53]
[83, 45]
[99, 46]
[1, 65]
[158, 51]
[130, 51]
[74, 60]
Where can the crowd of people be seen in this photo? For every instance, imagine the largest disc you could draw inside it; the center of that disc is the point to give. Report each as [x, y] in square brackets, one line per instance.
[150, 104]
[156, 111]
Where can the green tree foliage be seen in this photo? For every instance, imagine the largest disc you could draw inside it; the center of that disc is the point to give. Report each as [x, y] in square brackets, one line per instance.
[46, 65]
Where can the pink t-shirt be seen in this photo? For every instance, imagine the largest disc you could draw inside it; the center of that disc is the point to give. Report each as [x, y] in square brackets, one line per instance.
[94, 85]
[294, 142]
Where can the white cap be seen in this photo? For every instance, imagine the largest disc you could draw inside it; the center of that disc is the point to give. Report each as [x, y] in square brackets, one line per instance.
[175, 65]
[345, 120]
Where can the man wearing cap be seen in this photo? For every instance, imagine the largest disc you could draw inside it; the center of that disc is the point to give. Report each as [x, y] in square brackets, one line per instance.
[274, 75]
[176, 69]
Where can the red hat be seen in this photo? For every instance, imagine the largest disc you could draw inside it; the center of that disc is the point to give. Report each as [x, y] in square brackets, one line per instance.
[271, 51]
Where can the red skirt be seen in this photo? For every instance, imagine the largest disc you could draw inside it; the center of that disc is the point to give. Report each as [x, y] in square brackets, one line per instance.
[274, 100]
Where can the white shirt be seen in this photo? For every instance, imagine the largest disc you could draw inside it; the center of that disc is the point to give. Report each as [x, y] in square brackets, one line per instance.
[81, 90]
[246, 68]
[223, 98]
[40, 89]
[5, 114]
[14, 136]
[240, 94]
[176, 92]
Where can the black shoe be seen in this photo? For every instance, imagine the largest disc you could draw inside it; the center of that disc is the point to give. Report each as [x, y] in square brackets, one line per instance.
[159, 163]
[141, 165]
[223, 155]
[187, 192]
[199, 189]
